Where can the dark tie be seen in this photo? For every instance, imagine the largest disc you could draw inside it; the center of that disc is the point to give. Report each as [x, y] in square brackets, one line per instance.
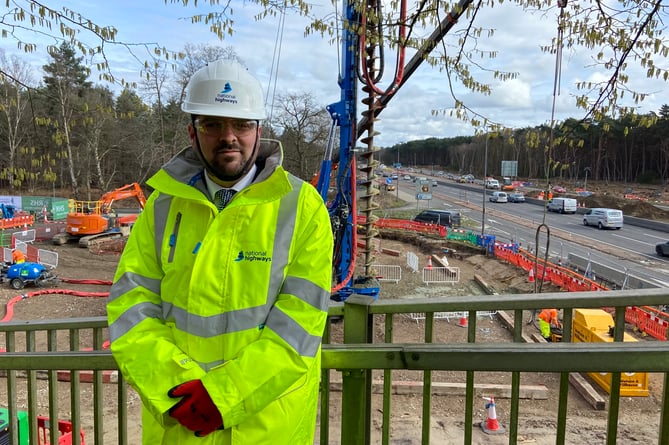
[223, 197]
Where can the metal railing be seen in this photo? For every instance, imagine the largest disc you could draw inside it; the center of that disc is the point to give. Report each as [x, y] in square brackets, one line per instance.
[32, 376]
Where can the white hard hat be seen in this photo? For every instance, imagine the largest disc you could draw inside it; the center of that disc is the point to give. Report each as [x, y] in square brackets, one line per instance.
[224, 88]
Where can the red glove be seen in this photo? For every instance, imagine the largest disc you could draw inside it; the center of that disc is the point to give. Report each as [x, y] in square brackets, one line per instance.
[196, 411]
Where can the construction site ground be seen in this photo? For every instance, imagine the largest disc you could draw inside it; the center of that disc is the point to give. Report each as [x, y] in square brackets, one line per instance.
[638, 420]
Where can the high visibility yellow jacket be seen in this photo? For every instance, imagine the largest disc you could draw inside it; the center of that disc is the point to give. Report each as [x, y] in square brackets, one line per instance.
[237, 299]
[547, 318]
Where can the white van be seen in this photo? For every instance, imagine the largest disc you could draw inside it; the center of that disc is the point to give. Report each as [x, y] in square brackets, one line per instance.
[491, 183]
[604, 218]
[562, 205]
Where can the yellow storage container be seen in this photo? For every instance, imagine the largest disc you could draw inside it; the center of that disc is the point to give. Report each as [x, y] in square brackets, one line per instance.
[594, 325]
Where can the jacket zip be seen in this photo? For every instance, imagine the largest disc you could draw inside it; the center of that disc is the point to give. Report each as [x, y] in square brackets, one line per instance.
[173, 238]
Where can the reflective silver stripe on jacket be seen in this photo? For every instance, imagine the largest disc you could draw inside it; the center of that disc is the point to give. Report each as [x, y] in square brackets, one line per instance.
[137, 313]
[285, 227]
[307, 291]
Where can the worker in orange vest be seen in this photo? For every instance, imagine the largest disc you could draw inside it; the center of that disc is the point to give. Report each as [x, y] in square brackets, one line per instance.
[549, 323]
[18, 257]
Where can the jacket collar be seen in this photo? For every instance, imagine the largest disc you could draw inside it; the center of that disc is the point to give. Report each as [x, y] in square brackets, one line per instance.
[186, 168]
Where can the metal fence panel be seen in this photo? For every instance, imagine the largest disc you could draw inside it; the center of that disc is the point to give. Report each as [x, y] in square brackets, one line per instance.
[441, 275]
[386, 272]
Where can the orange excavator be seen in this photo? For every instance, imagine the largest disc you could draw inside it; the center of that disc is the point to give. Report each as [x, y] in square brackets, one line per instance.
[89, 221]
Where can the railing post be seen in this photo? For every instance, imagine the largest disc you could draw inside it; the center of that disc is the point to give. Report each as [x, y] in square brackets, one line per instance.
[357, 383]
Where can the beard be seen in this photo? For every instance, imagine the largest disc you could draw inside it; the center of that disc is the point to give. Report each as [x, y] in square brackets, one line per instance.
[229, 163]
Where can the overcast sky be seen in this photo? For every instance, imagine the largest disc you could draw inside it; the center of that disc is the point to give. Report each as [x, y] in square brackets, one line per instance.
[311, 64]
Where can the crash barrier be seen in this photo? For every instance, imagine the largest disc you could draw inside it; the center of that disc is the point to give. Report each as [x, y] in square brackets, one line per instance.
[387, 272]
[442, 275]
[412, 261]
[616, 277]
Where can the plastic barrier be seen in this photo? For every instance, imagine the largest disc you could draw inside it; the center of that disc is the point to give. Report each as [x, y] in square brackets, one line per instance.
[404, 224]
[64, 428]
[17, 221]
[649, 321]
[457, 235]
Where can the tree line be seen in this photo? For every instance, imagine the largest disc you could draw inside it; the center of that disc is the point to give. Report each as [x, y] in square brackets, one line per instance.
[632, 149]
[62, 133]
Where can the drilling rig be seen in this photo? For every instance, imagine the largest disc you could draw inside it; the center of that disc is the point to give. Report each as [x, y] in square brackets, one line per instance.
[363, 63]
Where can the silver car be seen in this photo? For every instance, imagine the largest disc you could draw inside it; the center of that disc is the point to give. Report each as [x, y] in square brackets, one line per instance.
[516, 197]
[498, 197]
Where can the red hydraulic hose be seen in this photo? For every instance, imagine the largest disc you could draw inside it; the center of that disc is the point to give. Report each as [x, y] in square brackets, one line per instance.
[10, 305]
[399, 68]
[354, 233]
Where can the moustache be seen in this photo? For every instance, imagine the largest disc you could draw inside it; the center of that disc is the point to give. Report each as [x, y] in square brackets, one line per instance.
[228, 147]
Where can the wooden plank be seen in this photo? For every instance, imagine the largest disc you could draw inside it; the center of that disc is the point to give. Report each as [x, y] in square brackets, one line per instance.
[587, 391]
[391, 252]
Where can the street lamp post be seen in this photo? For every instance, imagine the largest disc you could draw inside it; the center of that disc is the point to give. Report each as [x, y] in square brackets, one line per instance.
[585, 183]
[485, 175]
[398, 173]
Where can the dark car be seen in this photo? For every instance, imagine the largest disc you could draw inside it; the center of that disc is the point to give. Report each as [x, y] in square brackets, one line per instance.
[516, 197]
[447, 218]
[662, 249]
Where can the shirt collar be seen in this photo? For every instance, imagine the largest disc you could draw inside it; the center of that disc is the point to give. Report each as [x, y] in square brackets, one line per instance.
[239, 185]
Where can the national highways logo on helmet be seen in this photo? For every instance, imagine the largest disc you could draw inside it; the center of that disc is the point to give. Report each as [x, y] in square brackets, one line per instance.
[224, 88]
[226, 96]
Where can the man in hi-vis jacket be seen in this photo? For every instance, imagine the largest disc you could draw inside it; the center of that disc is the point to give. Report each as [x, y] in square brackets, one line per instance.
[221, 295]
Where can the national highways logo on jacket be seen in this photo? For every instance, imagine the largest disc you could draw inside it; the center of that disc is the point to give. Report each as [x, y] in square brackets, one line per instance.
[252, 255]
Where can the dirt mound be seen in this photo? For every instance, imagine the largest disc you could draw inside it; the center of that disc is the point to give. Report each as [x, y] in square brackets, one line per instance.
[630, 207]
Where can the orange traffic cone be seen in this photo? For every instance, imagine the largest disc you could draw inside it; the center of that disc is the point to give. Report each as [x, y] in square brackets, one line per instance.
[530, 278]
[463, 322]
[491, 425]
[429, 263]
